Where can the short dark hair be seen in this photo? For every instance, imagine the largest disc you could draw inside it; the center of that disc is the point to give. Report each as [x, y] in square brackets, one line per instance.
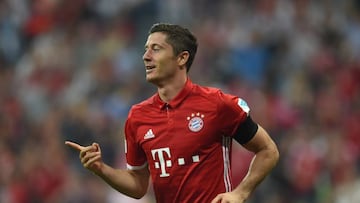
[180, 38]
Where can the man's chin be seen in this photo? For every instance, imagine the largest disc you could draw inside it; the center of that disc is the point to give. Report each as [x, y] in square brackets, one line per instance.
[151, 79]
[154, 80]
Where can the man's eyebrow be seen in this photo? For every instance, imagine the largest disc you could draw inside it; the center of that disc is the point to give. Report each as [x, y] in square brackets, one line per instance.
[152, 45]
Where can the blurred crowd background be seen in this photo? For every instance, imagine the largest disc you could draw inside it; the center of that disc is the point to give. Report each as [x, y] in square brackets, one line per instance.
[71, 69]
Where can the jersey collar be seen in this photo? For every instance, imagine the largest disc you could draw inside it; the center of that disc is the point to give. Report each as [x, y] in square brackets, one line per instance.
[178, 99]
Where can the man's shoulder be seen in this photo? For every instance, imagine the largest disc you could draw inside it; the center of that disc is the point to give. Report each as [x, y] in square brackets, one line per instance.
[206, 90]
[143, 105]
[214, 94]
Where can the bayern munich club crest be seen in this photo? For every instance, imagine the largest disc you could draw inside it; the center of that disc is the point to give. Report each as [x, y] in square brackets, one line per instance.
[196, 122]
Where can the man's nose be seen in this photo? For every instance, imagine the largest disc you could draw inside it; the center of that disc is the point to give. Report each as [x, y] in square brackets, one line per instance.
[146, 56]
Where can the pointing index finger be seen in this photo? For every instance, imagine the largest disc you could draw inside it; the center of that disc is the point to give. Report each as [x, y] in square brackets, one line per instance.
[74, 145]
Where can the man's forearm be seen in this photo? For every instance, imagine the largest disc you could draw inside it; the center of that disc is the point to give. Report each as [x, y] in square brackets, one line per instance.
[131, 183]
[261, 165]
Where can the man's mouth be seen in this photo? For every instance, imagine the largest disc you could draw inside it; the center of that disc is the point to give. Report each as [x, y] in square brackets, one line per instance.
[149, 68]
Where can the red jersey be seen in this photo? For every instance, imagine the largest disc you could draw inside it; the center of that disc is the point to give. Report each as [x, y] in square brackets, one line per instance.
[186, 143]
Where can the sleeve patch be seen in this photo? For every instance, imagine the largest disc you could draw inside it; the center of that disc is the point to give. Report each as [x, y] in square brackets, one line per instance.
[243, 105]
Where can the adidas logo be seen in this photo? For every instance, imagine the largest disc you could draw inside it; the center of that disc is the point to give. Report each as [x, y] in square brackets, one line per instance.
[149, 134]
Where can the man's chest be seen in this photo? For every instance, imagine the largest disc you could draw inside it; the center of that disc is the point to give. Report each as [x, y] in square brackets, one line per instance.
[178, 129]
[178, 137]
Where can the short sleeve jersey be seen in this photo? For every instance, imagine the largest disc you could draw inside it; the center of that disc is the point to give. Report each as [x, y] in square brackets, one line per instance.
[186, 143]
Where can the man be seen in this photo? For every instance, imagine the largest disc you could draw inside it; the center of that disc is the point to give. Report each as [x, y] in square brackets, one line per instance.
[182, 135]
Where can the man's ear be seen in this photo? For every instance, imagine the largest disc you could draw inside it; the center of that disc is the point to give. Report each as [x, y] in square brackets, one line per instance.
[183, 57]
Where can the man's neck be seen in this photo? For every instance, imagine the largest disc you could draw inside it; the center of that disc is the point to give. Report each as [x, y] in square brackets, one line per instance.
[169, 91]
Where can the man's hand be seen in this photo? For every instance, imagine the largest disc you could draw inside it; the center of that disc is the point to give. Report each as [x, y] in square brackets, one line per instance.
[90, 156]
[228, 197]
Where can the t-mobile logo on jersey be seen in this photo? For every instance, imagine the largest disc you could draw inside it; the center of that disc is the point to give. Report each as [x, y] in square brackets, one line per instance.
[162, 158]
[163, 164]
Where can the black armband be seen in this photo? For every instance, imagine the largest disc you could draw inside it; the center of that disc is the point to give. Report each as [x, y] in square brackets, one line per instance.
[246, 131]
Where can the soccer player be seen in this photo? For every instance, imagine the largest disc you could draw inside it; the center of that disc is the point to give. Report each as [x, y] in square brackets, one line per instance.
[182, 135]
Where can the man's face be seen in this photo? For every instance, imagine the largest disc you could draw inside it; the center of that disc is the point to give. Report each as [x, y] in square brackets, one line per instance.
[160, 62]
